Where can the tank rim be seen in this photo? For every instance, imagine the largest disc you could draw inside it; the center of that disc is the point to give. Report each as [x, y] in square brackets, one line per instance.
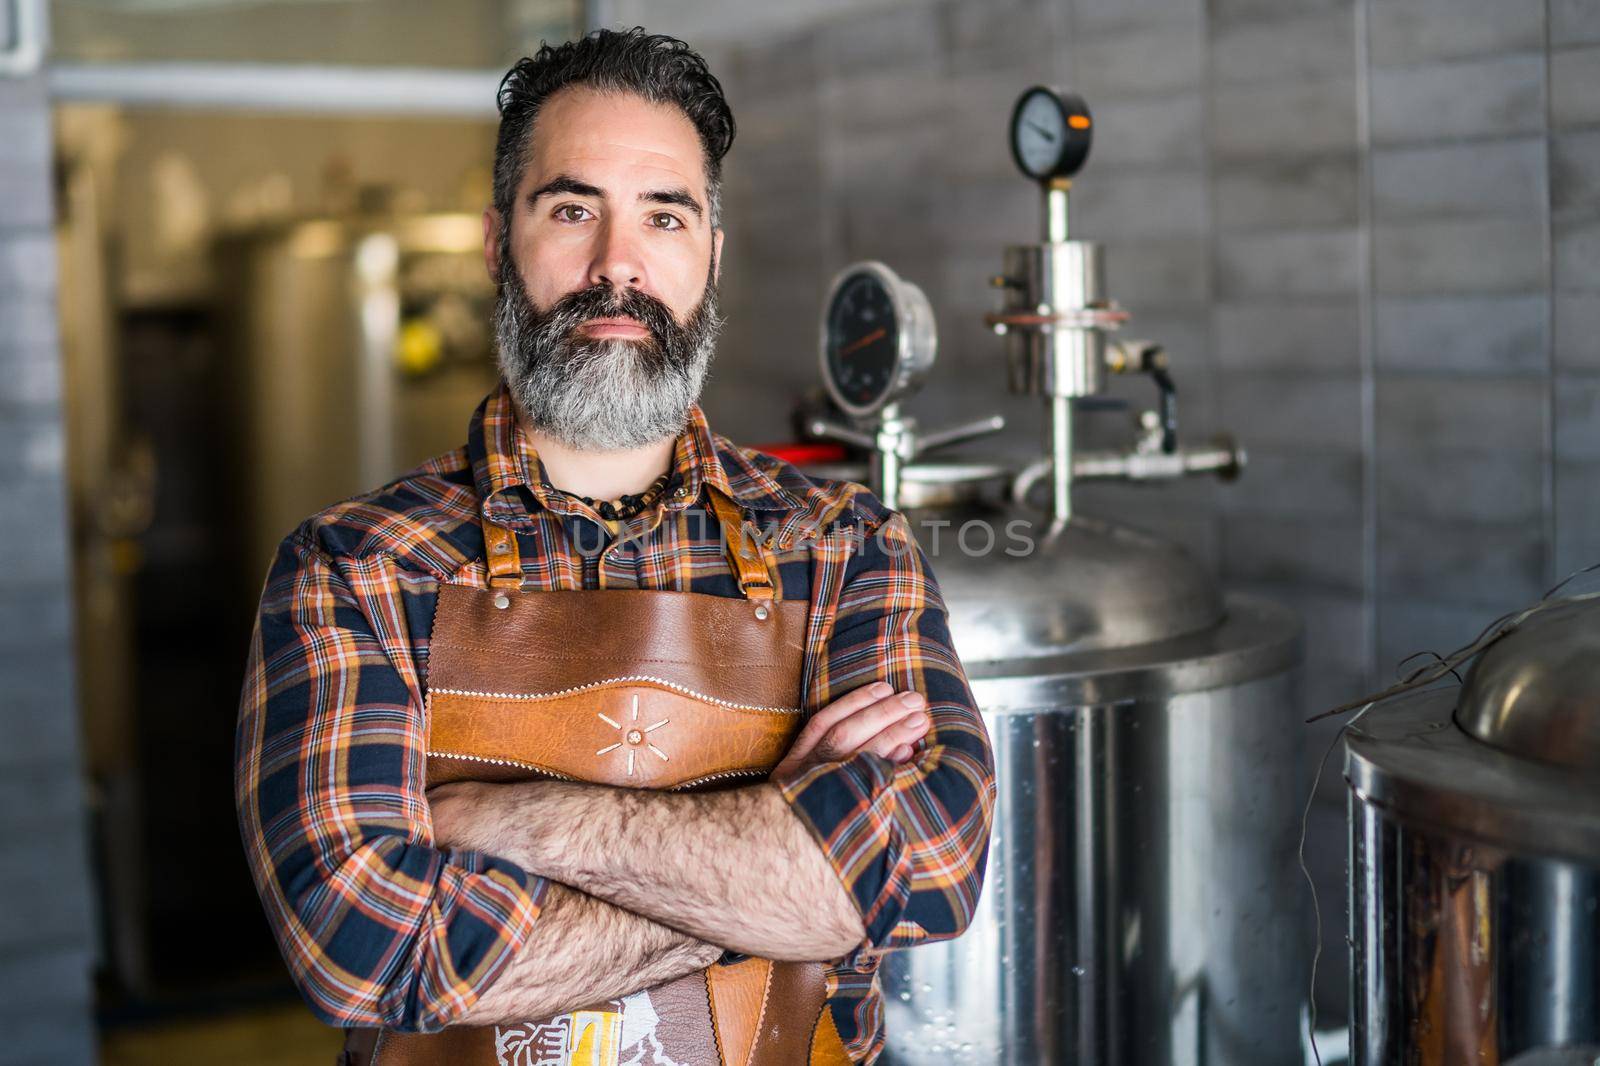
[1410, 760]
[1255, 639]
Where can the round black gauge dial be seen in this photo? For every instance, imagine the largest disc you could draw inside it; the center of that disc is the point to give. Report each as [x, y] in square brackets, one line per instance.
[862, 343]
[1051, 132]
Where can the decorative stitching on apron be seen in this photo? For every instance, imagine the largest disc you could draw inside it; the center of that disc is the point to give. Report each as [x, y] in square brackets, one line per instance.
[761, 1016]
[673, 685]
[519, 764]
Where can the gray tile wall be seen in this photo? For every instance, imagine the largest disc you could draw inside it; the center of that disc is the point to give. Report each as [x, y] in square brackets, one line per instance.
[1574, 136]
[1368, 230]
[46, 941]
[1460, 194]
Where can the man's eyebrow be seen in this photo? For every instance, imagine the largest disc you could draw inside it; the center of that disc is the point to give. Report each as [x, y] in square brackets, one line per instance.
[680, 197]
[565, 183]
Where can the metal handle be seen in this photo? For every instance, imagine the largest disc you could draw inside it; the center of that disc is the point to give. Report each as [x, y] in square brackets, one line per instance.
[22, 25]
[978, 428]
[823, 428]
[896, 442]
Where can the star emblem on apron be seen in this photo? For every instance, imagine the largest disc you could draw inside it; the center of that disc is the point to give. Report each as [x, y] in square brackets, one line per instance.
[634, 736]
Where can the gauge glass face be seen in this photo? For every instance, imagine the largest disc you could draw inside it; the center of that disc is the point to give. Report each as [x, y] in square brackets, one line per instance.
[1039, 133]
[863, 340]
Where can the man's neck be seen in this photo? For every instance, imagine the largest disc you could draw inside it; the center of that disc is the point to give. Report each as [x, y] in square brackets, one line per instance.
[600, 475]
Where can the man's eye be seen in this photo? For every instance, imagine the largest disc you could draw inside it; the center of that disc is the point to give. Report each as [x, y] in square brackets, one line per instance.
[662, 220]
[571, 213]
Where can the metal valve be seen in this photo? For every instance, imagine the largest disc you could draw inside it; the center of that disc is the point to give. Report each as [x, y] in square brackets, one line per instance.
[896, 440]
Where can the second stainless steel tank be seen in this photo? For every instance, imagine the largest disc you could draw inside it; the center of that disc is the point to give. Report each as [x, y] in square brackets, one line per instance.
[1142, 903]
[1475, 858]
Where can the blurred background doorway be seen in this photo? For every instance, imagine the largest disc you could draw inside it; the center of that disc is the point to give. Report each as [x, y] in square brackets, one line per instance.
[272, 296]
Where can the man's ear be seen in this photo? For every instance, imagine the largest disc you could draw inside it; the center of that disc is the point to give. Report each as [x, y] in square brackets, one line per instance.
[491, 242]
[716, 256]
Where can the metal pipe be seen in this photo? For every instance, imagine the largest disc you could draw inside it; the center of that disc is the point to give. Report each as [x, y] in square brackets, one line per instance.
[1140, 466]
[1061, 460]
[22, 50]
[1055, 211]
[886, 478]
[1092, 869]
[296, 87]
[1550, 971]
[377, 294]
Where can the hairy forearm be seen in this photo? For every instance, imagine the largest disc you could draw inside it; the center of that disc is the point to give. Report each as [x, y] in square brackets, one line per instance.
[736, 868]
[585, 951]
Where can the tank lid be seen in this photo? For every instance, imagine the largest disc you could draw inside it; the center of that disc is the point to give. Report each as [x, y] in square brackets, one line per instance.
[1092, 588]
[1535, 693]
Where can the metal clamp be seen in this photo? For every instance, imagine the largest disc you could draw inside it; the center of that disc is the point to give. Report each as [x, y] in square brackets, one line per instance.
[896, 440]
[22, 28]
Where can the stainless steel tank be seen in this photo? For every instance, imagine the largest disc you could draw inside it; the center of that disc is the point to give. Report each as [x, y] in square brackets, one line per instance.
[1142, 903]
[1475, 858]
[1142, 906]
[359, 345]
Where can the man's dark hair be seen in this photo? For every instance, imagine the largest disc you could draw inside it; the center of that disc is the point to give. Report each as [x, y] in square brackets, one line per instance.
[661, 69]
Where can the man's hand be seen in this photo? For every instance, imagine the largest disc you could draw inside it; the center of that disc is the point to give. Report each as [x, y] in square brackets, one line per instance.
[872, 718]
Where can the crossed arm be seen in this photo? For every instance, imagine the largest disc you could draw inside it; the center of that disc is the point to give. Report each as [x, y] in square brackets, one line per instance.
[586, 951]
[662, 882]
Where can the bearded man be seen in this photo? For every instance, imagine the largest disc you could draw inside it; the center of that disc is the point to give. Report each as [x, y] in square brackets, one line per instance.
[541, 757]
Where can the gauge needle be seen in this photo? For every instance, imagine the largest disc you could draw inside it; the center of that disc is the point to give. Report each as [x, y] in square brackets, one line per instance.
[1046, 134]
[856, 345]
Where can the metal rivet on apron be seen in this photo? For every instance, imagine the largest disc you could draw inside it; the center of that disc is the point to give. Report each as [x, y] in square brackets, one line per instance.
[502, 548]
[761, 612]
[501, 600]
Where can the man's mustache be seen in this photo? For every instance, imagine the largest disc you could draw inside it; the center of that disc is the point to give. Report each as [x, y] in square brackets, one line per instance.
[605, 301]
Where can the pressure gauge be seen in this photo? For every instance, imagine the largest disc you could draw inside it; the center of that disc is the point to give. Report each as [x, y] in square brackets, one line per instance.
[1050, 133]
[878, 338]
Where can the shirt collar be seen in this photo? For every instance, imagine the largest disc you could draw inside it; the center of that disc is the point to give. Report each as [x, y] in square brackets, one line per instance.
[503, 458]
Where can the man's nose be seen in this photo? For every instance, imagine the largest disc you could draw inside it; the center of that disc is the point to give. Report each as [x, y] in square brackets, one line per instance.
[616, 258]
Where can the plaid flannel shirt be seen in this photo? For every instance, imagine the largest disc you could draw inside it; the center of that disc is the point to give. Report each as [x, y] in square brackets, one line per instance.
[381, 928]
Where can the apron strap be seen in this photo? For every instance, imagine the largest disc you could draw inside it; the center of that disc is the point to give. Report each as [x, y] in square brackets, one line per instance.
[755, 579]
[750, 567]
[505, 563]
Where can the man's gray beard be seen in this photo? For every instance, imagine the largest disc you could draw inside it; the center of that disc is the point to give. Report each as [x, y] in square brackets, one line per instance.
[602, 395]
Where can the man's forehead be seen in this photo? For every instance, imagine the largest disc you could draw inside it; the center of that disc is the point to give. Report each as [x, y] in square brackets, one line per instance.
[615, 134]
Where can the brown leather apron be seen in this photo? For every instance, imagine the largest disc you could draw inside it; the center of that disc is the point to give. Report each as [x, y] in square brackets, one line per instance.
[637, 689]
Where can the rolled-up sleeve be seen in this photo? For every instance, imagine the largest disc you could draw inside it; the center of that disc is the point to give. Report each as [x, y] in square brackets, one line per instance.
[378, 927]
[909, 842]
